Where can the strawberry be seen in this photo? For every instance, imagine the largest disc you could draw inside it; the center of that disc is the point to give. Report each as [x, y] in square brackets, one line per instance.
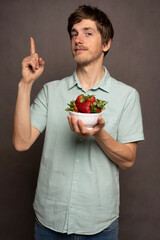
[86, 104]
[80, 99]
[84, 107]
[72, 107]
[100, 104]
[95, 109]
[75, 109]
[90, 98]
[99, 110]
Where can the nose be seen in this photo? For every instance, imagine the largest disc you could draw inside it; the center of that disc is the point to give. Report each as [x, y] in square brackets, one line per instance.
[79, 39]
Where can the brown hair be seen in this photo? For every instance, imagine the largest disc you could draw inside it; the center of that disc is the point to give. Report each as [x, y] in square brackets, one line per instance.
[93, 13]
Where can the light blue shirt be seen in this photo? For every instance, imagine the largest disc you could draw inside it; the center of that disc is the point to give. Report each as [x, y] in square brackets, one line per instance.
[78, 185]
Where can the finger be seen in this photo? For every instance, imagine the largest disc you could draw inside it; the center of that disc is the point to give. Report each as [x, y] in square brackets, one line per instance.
[81, 126]
[74, 124]
[83, 130]
[29, 62]
[33, 48]
[37, 61]
[41, 62]
[101, 122]
[70, 123]
[34, 59]
[99, 125]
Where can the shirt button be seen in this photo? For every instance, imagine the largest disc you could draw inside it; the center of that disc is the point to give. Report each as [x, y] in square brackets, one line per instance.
[72, 206]
[77, 161]
[74, 182]
[80, 139]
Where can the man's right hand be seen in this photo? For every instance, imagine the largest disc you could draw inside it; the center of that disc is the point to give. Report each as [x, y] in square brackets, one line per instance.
[32, 66]
[24, 134]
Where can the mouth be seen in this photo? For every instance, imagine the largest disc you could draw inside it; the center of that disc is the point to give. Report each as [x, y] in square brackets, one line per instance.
[79, 49]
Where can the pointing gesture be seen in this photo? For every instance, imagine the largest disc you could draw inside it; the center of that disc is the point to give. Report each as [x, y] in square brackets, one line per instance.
[32, 66]
[33, 48]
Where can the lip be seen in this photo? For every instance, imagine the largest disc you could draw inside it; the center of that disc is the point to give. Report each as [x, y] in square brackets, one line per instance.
[80, 50]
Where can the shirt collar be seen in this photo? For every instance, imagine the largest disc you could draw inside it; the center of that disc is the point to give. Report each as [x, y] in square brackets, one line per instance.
[103, 84]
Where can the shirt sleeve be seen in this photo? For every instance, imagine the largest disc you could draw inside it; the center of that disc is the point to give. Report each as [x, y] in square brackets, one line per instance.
[130, 126]
[39, 110]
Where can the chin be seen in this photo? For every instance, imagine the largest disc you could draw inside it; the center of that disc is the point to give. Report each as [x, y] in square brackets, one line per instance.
[87, 60]
[82, 61]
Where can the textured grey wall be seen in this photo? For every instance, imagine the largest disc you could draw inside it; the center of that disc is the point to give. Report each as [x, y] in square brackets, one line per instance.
[133, 59]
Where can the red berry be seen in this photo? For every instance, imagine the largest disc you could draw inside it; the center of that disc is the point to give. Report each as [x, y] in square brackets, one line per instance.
[80, 99]
[91, 99]
[99, 110]
[84, 107]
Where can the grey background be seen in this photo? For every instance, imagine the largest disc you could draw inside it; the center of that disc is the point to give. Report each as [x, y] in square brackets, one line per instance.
[133, 59]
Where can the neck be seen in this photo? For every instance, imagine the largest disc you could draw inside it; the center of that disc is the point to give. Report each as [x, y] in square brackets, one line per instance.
[89, 75]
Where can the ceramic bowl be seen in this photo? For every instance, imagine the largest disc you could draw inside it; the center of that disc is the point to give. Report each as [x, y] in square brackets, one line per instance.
[88, 119]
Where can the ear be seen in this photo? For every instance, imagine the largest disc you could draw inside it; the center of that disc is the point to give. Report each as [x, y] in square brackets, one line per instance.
[107, 46]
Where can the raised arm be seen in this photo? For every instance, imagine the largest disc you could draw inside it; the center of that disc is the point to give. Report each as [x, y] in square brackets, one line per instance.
[24, 134]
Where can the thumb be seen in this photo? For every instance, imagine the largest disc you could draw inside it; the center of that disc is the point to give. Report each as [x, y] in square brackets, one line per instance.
[101, 122]
[41, 62]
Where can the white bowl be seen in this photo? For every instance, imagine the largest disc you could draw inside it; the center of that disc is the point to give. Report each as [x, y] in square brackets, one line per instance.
[88, 119]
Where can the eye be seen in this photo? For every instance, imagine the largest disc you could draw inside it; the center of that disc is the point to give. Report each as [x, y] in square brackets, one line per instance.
[74, 34]
[88, 34]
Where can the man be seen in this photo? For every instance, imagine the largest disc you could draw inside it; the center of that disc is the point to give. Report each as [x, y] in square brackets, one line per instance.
[77, 195]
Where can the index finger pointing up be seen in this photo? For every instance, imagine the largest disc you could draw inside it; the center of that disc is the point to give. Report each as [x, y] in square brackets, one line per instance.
[33, 48]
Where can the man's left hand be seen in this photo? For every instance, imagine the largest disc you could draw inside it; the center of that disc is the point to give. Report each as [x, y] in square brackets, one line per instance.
[78, 127]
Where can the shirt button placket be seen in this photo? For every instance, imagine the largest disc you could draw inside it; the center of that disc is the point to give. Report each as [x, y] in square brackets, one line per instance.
[74, 190]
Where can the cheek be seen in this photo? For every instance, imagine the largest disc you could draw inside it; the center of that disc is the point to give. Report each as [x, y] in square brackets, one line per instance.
[72, 46]
[97, 47]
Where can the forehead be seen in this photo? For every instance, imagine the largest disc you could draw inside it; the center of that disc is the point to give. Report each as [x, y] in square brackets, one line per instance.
[84, 24]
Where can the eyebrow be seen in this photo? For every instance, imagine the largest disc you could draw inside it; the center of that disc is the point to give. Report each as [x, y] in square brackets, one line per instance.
[84, 29]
